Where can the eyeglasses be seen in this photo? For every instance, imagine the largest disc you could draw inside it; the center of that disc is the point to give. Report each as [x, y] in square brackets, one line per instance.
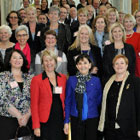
[23, 35]
[13, 17]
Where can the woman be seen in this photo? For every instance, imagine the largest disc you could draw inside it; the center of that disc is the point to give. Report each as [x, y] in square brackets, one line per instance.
[50, 43]
[48, 87]
[120, 114]
[133, 39]
[137, 17]
[34, 40]
[83, 97]
[84, 43]
[62, 31]
[82, 15]
[44, 6]
[22, 35]
[5, 45]
[13, 19]
[99, 27]
[14, 96]
[112, 16]
[118, 46]
[82, 4]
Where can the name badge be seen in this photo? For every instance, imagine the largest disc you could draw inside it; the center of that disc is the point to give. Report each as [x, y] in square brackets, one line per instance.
[13, 84]
[75, 57]
[139, 54]
[38, 34]
[59, 59]
[58, 90]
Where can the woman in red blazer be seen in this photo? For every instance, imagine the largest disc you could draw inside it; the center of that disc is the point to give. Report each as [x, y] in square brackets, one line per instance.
[47, 100]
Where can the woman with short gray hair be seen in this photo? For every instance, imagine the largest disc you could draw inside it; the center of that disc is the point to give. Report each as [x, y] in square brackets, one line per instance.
[5, 45]
[22, 35]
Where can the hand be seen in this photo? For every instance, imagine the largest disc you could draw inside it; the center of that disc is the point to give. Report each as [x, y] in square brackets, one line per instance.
[66, 128]
[37, 132]
[94, 70]
[139, 134]
[25, 119]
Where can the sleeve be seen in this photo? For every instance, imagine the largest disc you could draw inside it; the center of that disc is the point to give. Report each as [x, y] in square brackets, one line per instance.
[4, 91]
[35, 102]
[137, 99]
[99, 88]
[68, 101]
[38, 67]
[64, 65]
[28, 57]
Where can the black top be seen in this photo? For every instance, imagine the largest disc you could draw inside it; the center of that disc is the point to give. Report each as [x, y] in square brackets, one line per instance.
[112, 99]
[20, 84]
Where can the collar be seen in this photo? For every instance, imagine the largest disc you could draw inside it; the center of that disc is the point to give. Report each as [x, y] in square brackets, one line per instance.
[44, 75]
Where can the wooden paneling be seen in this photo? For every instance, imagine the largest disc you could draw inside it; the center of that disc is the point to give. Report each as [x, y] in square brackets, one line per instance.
[135, 5]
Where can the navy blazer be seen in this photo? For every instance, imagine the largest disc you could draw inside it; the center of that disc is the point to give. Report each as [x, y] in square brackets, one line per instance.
[94, 95]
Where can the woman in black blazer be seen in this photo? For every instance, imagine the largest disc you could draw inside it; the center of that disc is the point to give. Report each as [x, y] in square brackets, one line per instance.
[117, 46]
[84, 43]
[120, 113]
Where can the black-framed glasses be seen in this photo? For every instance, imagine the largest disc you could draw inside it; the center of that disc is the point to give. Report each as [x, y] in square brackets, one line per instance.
[21, 35]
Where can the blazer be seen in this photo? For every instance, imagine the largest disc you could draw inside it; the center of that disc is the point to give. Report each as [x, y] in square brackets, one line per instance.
[4, 62]
[94, 95]
[128, 116]
[109, 54]
[41, 97]
[63, 37]
[36, 44]
[10, 93]
[71, 59]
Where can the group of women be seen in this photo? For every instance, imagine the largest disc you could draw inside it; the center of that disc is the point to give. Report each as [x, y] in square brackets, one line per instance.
[101, 93]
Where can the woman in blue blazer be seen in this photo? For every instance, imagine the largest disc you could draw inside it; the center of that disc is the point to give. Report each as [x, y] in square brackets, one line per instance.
[83, 97]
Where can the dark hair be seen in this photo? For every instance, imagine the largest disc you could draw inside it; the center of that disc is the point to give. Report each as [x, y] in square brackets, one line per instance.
[8, 16]
[24, 68]
[81, 58]
[50, 32]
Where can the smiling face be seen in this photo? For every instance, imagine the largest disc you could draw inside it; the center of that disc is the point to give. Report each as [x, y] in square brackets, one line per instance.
[53, 16]
[13, 18]
[138, 18]
[31, 16]
[4, 35]
[16, 60]
[84, 35]
[117, 34]
[128, 24]
[112, 17]
[82, 18]
[22, 37]
[49, 64]
[83, 66]
[100, 24]
[120, 66]
[50, 41]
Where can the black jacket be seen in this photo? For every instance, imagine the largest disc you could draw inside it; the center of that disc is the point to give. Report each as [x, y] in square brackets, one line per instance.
[109, 54]
[96, 56]
[128, 116]
[63, 37]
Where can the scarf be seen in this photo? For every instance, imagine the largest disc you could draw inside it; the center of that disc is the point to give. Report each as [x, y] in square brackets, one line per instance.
[81, 96]
[105, 93]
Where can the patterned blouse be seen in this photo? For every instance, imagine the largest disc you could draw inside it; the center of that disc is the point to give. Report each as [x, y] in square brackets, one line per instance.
[10, 93]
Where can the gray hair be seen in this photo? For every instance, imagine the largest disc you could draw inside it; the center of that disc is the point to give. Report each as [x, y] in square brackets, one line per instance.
[20, 28]
[6, 27]
[54, 8]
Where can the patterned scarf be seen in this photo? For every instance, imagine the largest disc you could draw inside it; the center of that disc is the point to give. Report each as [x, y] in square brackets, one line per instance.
[79, 92]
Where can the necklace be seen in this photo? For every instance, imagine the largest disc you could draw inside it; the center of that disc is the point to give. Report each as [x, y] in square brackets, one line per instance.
[129, 35]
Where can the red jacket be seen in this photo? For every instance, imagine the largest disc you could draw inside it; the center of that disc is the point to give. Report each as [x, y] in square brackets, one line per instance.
[41, 98]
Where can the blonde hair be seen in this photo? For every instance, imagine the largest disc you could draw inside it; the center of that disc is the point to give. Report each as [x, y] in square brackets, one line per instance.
[31, 8]
[118, 57]
[113, 26]
[83, 11]
[50, 54]
[130, 17]
[76, 43]
[110, 10]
